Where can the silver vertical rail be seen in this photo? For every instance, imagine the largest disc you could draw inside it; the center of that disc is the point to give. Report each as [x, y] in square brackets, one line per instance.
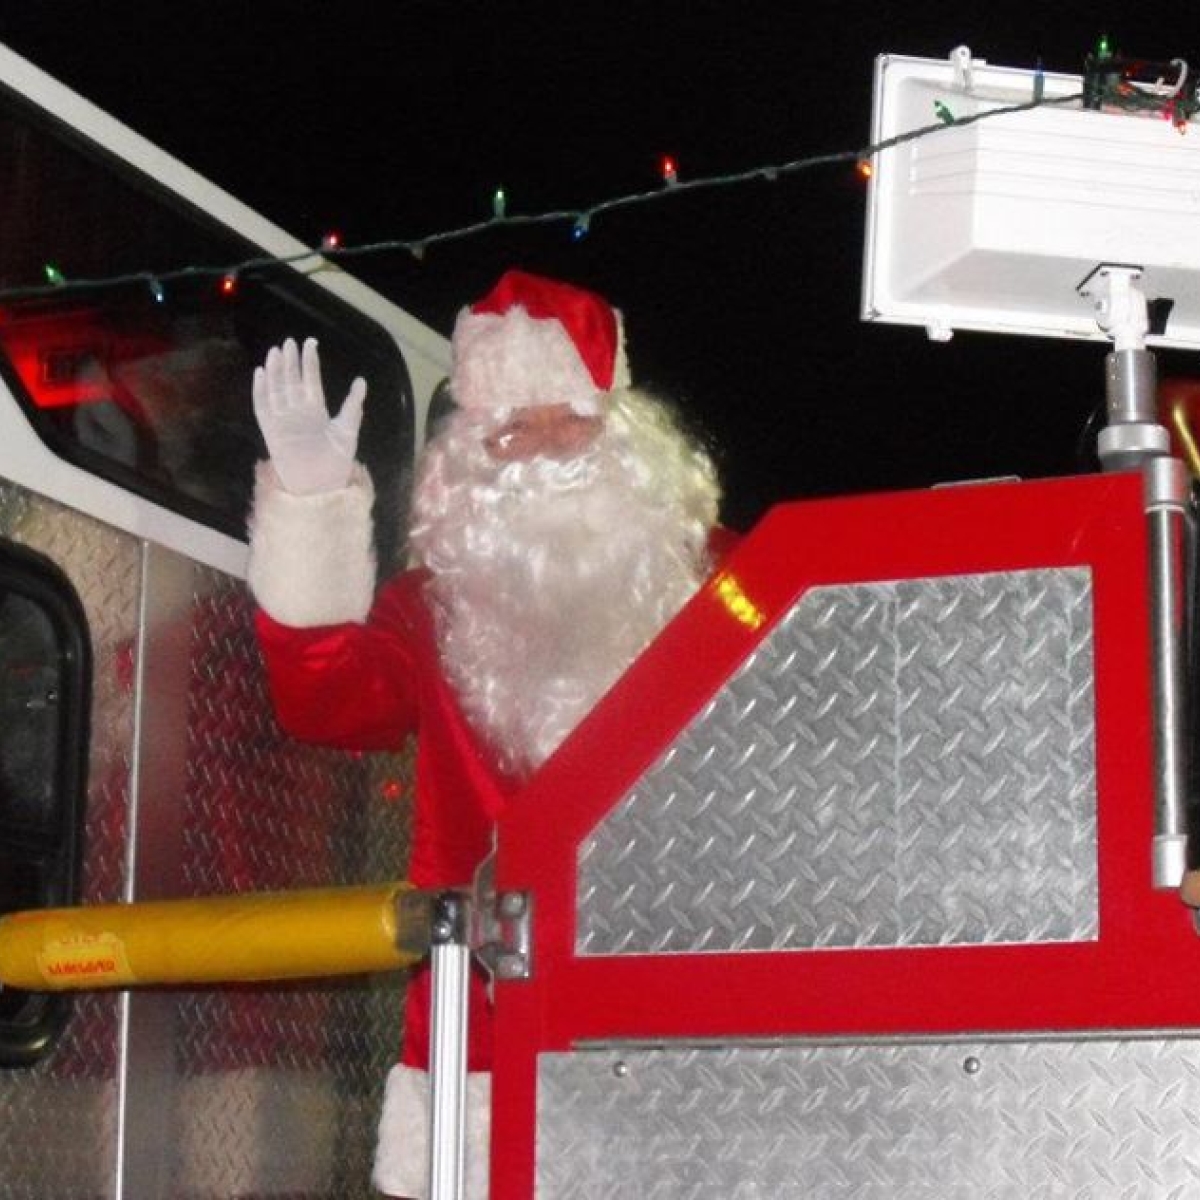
[450, 965]
[1165, 483]
[1133, 438]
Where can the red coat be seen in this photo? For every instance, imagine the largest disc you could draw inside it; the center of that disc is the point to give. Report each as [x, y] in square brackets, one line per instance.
[366, 687]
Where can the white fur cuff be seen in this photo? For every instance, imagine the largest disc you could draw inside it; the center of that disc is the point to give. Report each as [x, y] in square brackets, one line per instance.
[401, 1154]
[312, 559]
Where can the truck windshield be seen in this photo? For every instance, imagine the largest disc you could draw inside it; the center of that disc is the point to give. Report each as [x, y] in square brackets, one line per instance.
[147, 382]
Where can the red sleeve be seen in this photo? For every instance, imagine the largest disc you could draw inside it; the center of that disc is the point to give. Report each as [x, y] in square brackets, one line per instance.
[356, 687]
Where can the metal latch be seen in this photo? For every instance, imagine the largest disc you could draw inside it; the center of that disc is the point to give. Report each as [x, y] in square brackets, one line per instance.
[501, 935]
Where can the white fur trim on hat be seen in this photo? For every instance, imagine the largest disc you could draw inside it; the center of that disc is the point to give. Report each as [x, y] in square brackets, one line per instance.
[312, 558]
[511, 360]
[401, 1153]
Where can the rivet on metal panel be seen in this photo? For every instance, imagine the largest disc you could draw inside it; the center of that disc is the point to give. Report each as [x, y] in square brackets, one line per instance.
[972, 1065]
[620, 1069]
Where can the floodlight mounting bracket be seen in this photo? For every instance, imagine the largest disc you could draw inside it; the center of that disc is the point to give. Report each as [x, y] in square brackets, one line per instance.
[1119, 305]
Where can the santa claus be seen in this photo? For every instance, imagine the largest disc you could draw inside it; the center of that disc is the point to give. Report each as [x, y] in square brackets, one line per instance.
[560, 518]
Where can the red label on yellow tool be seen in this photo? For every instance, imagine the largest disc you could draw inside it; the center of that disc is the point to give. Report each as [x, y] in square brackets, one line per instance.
[88, 959]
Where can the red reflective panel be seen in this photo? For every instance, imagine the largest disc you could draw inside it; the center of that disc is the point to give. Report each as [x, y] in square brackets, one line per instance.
[73, 357]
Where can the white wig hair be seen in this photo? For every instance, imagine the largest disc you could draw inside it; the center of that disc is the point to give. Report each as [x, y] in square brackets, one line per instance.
[550, 577]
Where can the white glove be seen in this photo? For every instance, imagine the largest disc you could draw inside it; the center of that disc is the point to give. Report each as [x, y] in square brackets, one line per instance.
[310, 451]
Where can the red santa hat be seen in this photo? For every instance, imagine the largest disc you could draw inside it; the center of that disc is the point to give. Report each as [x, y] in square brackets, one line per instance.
[532, 341]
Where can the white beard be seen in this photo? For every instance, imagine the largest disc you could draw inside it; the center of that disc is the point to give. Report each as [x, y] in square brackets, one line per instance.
[551, 577]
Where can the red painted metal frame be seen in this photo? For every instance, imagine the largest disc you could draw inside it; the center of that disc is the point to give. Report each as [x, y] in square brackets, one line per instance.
[1142, 972]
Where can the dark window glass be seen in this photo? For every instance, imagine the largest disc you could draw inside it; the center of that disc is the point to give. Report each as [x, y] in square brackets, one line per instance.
[148, 384]
[43, 769]
[29, 724]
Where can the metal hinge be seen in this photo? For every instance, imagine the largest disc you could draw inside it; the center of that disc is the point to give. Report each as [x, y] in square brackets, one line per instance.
[501, 936]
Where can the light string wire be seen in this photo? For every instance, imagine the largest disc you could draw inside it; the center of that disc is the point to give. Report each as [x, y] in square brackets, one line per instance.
[580, 219]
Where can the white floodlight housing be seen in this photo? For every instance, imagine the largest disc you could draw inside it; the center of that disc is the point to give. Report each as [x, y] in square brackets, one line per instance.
[1003, 224]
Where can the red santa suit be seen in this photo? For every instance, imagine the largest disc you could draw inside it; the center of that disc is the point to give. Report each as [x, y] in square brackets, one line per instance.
[362, 672]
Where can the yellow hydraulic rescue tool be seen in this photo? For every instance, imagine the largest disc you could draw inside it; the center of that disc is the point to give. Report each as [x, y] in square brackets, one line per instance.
[218, 939]
[262, 936]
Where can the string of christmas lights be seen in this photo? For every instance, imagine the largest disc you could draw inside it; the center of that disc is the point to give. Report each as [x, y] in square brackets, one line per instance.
[580, 220]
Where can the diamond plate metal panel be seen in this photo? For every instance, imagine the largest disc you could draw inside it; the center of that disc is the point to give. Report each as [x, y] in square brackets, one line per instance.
[898, 764]
[60, 1118]
[279, 1088]
[951, 1121]
[253, 1091]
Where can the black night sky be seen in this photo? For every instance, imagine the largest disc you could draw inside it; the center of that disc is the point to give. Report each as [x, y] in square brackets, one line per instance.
[391, 119]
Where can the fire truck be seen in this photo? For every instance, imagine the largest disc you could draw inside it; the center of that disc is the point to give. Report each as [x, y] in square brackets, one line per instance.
[878, 895]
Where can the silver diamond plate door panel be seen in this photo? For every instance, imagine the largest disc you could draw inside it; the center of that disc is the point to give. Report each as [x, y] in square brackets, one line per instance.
[950, 1121]
[275, 1091]
[906, 763]
[216, 1093]
[59, 1120]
